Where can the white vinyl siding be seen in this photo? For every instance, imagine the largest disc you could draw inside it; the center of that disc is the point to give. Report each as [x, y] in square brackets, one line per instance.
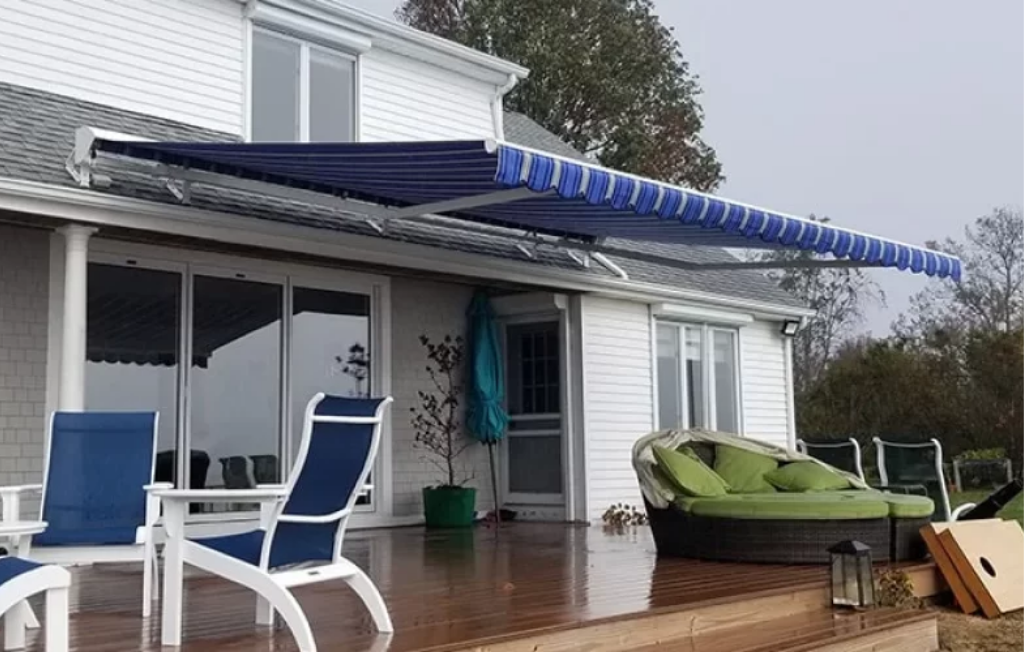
[180, 60]
[403, 99]
[618, 393]
[618, 397]
[763, 382]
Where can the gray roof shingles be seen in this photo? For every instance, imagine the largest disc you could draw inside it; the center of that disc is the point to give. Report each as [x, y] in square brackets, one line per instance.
[37, 134]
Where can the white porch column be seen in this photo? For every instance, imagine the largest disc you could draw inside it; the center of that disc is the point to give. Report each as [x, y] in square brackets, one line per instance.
[72, 350]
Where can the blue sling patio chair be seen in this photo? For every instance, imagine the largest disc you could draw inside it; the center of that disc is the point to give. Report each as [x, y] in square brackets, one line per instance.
[302, 528]
[843, 454]
[96, 493]
[20, 579]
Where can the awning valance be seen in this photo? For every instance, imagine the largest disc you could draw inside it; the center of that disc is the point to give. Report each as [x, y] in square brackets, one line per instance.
[511, 186]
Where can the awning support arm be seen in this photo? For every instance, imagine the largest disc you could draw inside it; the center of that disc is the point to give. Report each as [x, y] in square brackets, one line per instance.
[463, 203]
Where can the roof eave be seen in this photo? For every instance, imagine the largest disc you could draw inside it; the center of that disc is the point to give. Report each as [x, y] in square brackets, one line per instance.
[392, 35]
[99, 209]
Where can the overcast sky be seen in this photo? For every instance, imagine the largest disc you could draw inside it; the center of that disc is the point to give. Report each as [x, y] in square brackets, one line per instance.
[900, 118]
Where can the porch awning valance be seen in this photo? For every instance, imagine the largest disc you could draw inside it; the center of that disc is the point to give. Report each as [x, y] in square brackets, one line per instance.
[511, 186]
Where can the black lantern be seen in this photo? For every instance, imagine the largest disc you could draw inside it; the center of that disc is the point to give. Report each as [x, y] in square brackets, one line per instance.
[853, 579]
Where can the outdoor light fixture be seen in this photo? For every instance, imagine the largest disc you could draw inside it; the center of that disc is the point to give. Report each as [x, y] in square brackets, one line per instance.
[852, 577]
[790, 327]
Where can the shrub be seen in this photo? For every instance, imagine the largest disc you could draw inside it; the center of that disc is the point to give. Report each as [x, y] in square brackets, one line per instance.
[621, 515]
[982, 454]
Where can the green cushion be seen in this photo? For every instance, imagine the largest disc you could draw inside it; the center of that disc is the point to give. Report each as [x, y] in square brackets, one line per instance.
[806, 476]
[793, 506]
[908, 506]
[744, 471]
[688, 474]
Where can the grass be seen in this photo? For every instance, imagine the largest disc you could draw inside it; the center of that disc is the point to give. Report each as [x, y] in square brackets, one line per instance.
[959, 632]
[1013, 511]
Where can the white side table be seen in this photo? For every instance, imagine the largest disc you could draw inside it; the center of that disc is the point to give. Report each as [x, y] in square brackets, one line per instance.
[16, 534]
[175, 504]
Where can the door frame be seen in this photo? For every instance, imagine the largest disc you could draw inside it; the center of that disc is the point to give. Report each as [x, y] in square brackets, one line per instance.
[557, 317]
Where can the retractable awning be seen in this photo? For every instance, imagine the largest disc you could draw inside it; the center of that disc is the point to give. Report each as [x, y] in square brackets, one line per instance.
[506, 185]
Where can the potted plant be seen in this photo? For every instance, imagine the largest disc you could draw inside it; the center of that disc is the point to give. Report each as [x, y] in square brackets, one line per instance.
[439, 433]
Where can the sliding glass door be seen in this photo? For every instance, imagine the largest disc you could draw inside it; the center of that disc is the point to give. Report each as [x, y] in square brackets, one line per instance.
[258, 348]
[234, 388]
[330, 351]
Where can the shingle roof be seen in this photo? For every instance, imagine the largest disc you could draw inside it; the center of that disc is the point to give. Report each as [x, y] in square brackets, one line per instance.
[37, 134]
[522, 130]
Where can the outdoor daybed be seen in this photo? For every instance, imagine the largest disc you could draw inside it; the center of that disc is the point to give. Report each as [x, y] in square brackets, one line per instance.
[721, 497]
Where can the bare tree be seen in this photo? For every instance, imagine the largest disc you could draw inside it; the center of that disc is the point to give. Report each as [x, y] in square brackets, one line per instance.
[990, 296]
[838, 297]
[357, 365]
[436, 419]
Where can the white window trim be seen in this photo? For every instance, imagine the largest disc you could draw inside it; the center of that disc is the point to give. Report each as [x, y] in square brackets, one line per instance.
[707, 329]
[336, 43]
[700, 314]
[182, 260]
[282, 20]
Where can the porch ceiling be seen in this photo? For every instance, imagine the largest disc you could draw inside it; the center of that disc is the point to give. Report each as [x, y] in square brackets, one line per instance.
[130, 323]
[134, 325]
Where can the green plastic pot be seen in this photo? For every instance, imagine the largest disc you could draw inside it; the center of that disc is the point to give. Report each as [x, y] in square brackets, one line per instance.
[449, 507]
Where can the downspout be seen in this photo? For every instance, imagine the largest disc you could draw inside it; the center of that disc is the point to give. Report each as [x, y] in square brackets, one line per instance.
[790, 391]
[497, 113]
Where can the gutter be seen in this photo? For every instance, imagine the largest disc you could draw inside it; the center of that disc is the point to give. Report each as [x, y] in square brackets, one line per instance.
[390, 30]
[497, 106]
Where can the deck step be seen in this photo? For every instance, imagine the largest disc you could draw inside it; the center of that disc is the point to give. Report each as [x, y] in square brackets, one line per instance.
[881, 630]
[784, 619]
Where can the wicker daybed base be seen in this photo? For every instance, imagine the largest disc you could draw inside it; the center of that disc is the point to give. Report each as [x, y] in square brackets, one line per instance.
[680, 534]
[907, 542]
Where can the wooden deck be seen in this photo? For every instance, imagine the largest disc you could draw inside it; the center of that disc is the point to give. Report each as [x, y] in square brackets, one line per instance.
[466, 590]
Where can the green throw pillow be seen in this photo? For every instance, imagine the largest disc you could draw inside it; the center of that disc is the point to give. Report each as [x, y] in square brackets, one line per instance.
[689, 475]
[806, 476]
[744, 471]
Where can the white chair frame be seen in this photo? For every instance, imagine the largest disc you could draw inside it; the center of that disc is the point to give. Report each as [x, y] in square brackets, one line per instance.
[56, 582]
[143, 550]
[801, 447]
[272, 587]
[950, 514]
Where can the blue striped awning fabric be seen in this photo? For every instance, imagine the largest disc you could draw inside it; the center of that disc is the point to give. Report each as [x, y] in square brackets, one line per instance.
[572, 198]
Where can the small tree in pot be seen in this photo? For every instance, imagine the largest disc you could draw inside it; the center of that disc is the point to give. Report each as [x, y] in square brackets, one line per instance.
[439, 433]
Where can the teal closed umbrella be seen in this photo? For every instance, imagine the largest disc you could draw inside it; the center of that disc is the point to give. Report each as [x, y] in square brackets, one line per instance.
[486, 417]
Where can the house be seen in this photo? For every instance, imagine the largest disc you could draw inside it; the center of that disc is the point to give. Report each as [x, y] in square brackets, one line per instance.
[142, 286]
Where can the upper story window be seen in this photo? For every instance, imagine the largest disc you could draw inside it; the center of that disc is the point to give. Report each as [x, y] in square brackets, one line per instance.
[698, 377]
[301, 91]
